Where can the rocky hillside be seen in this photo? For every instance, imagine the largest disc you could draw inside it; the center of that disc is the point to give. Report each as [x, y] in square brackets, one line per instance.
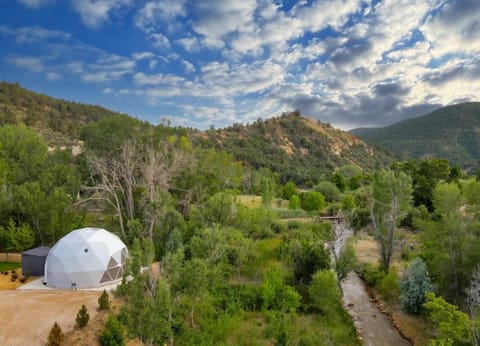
[451, 132]
[297, 148]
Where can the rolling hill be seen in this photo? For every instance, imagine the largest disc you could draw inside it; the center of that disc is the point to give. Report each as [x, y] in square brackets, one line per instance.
[451, 132]
[58, 121]
[297, 148]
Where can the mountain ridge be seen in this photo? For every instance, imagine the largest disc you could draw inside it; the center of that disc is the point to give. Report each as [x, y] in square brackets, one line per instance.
[451, 132]
[299, 149]
[275, 144]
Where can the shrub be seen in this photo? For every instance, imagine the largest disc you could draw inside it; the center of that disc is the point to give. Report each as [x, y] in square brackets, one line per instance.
[104, 301]
[372, 275]
[284, 213]
[414, 285]
[55, 337]
[294, 202]
[112, 334]
[82, 317]
[346, 261]
[323, 291]
[14, 275]
[276, 294]
[329, 190]
[312, 201]
[279, 327]
[452, 325]
[289, 190]
[294, 224]
[388, 286]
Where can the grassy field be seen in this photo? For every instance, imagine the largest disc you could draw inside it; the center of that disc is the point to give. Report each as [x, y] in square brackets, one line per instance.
[4, 266]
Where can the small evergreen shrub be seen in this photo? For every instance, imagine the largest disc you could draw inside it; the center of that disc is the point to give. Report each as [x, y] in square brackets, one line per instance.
[82, 317]
[104, 301]
[414, 285]
[55, 337]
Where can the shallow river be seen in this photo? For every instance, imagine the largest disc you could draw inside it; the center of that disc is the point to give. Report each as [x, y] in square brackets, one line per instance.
[372, 325]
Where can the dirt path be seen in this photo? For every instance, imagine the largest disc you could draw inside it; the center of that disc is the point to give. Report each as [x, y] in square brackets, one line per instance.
[372, 325]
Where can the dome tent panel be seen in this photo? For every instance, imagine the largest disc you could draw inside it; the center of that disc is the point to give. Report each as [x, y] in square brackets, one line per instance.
[82, 258]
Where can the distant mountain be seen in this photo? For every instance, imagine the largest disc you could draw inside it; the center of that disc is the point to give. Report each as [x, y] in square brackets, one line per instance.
[451, 132]
[59, 121]
[297, 148]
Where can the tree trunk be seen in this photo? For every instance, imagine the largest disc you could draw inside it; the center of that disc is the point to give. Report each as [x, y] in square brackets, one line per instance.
[191, 313]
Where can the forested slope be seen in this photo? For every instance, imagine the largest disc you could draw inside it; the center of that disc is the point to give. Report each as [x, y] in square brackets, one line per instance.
[299, 149]
[60, 122]
[451, 132]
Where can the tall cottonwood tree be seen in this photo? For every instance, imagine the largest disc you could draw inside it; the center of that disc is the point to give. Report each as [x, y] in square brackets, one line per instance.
[450, 240]
[37, 187]
[389, 203]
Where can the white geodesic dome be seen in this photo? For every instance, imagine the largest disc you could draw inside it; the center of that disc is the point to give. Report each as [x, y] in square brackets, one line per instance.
[86, 258]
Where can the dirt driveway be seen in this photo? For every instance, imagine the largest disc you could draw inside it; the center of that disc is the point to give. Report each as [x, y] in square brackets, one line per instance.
[27, 316]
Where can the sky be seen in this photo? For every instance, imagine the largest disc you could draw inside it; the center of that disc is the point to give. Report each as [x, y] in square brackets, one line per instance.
[219, 62]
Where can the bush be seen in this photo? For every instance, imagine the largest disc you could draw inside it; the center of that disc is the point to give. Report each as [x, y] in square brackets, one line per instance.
[294, 225]
[82, 317]
[323, 291]
[277, 295]
[279, 327]
[289, 190]
[55, 337]
[452, 325]
[312, 201]
[112, 334]
[294, 202]
[104, 301]
[414, 285]
[360, 218]
[329, 190]
[284, 213]
[388, 286]
[372, 275]
[346, 261]
[14, 275]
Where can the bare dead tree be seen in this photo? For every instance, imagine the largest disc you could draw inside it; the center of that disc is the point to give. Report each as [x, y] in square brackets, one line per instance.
[473, 304]
[136, 168]
[158, 170]
[105, 188]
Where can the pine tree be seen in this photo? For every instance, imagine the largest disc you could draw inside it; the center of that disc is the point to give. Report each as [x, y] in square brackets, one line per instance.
[104, 301]
[82, 317]
[55, 337]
